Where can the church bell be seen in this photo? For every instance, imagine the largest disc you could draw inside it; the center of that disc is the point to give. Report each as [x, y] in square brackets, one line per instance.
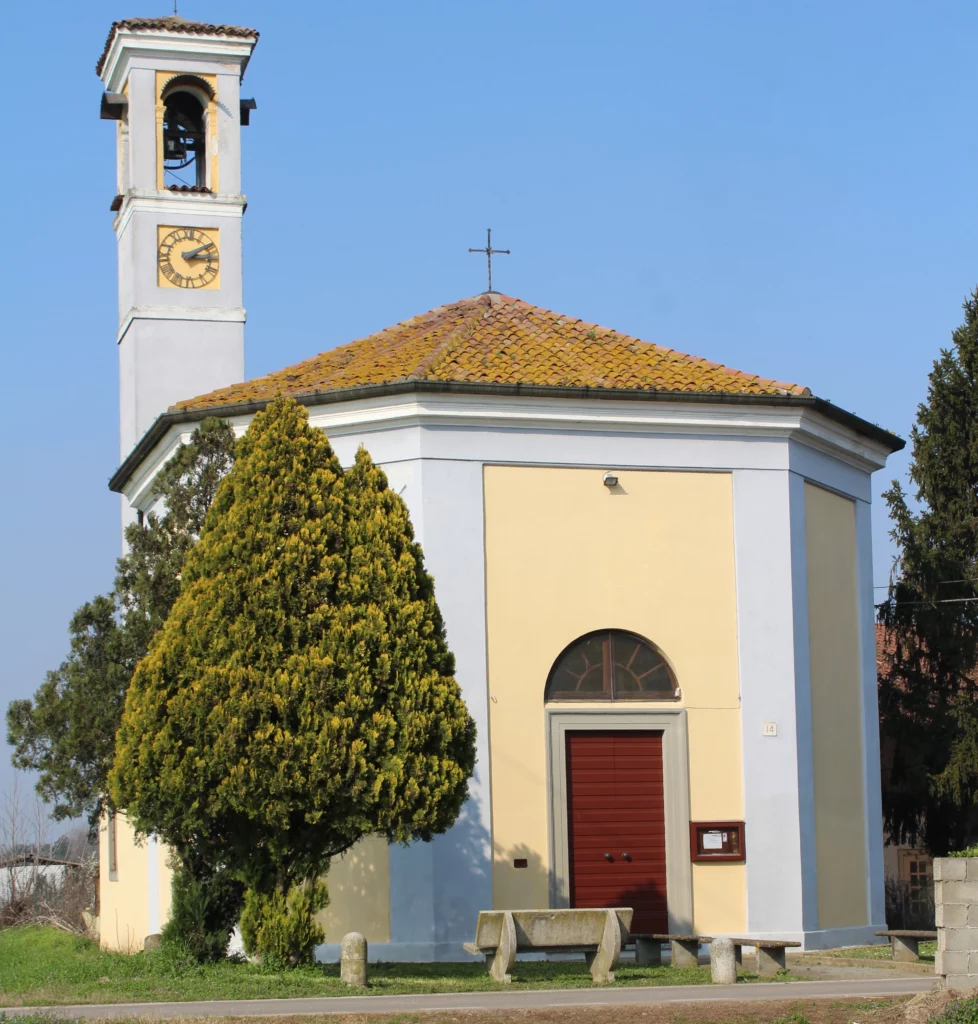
[174, 143]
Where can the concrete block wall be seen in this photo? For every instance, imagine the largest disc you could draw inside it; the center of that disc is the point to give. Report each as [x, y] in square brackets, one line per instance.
[956, 912]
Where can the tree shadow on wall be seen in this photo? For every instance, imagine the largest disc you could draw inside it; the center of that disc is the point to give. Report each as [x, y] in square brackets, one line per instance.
[462, 875]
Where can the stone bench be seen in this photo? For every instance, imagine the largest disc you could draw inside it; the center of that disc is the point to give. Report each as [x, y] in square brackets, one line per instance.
[598, 934]
[905, 944]
[770, 954]
[685, 948]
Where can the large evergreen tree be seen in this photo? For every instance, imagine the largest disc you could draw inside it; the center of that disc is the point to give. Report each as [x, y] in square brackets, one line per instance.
[66, 732]
[928, 710]
[301, 693]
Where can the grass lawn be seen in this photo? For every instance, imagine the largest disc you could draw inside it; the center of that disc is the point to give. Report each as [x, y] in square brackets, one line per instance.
[42, 966]
[926, 949]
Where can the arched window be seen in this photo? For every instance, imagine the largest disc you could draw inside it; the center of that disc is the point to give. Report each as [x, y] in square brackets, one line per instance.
[185, 100]
[611, 665]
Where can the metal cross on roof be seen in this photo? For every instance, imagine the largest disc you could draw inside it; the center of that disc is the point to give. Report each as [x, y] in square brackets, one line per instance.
[490, 252]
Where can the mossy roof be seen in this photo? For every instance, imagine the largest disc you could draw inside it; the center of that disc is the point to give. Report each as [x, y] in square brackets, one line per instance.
[495, 339]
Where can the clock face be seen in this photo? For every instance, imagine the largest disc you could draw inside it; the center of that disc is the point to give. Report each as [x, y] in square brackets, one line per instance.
[188, 258]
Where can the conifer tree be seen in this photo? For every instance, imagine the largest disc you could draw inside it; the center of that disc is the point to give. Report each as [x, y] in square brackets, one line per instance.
[66, 732]
[928, 710]
[301, 693]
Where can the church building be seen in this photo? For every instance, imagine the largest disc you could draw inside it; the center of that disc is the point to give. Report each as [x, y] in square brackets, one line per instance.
[655, 571]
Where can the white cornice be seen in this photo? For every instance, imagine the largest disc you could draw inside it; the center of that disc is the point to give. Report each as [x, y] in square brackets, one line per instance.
[722, 419]
[163, 45]
[224, 314]
[175, 205]
[139, 490]
[709, 422]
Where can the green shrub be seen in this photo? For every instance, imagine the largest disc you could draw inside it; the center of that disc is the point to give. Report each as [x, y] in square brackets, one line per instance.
[968, 851]
[964, 1011]
[281, 928]
[203, 914]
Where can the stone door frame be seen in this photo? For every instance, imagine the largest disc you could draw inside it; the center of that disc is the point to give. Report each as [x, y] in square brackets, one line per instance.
[671, 722]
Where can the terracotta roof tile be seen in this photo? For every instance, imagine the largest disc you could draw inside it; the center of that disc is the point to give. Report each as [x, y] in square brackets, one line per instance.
[173, 23]
[495, 339]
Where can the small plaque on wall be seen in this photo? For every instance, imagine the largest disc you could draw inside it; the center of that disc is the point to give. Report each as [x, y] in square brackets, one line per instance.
[716, 841]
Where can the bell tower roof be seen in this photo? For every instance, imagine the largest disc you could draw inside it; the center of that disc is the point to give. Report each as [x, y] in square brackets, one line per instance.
[175, 34]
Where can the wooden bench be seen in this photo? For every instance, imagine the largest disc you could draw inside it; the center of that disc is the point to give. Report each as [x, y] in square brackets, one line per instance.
[598, 934]
[685, 948]
[905, 944]
[770, 954]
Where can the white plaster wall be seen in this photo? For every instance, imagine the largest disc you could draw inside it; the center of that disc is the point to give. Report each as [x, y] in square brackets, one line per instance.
[805, 765]
[454, 552]
[228, 125]
[833, 473]
[766, 632]
[142, 128]
[160, 360]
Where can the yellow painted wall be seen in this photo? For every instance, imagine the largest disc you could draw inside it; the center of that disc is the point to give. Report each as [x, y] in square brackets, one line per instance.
[359, 890]
[360, 893]
[565, 556]
[833, 635]
[124, 903]
[719, 890]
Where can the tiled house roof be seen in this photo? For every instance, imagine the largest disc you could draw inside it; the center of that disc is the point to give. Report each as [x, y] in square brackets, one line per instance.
[495, 339]
[173, 23]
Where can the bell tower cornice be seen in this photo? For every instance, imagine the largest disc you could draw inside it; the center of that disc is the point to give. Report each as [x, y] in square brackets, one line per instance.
[151, 40]
[163, 202]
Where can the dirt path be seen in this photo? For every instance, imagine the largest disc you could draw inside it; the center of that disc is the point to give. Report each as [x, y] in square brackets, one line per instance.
[784, 1011]
[612, 1003]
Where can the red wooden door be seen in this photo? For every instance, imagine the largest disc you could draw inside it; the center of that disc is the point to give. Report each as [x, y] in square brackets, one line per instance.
[616, 815]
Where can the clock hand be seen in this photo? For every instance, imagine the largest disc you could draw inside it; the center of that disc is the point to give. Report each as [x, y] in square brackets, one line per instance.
[193, 254]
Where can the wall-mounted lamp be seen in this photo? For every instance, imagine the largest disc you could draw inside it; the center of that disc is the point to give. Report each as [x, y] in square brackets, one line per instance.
[610, 479]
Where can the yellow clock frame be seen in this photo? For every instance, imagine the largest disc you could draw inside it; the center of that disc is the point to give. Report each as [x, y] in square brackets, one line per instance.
[174, 271]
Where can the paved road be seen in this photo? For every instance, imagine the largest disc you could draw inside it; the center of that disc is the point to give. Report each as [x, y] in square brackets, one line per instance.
[495, 1000]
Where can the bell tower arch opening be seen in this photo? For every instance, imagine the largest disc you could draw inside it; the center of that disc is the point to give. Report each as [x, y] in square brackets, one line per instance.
[184, 154]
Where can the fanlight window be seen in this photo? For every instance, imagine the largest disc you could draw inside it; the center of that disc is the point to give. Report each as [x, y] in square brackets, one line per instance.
[611, 665]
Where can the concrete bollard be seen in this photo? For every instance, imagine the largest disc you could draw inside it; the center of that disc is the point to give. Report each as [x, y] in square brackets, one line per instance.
[353, 960]
[723, 962]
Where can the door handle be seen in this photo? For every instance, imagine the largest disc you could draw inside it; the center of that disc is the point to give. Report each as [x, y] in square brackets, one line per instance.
[608, 856]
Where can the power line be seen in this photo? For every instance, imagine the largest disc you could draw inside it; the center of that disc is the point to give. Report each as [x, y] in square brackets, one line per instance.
[940, 583]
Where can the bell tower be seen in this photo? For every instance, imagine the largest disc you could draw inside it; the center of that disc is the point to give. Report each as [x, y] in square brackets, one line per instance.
[173, 88]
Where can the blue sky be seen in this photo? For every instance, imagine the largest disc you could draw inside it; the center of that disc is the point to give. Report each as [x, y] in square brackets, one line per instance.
[787, 188]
